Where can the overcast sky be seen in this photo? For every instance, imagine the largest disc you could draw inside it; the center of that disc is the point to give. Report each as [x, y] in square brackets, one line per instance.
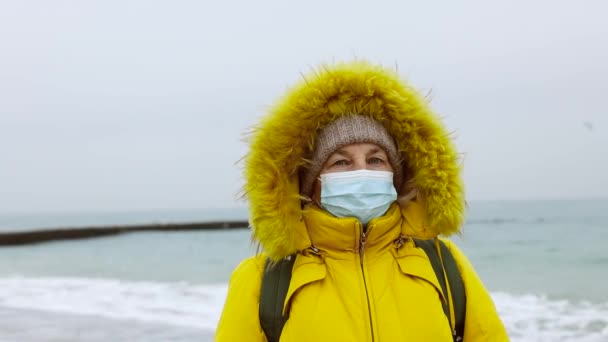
[131, 105]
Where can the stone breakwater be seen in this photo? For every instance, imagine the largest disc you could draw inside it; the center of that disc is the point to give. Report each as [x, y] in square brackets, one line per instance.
[12, 238]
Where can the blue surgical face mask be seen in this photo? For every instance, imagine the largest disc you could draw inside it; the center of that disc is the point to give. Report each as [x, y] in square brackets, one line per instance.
[363, 194]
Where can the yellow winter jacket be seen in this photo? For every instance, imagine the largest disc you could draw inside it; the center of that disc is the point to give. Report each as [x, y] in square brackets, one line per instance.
[360, 292]
[353, 291]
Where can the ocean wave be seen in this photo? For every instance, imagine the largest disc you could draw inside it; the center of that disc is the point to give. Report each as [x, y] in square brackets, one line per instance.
[179, 304]
[496, 221]
[527, 317]
[538, 318]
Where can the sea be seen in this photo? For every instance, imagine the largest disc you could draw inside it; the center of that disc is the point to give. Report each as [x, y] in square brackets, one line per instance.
[544, 262]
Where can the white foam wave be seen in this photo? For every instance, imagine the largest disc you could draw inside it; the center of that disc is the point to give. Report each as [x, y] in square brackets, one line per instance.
[180, 304]
[527, 317]
[538, 319]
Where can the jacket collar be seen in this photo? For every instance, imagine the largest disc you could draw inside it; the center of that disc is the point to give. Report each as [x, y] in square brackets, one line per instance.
[341, 237]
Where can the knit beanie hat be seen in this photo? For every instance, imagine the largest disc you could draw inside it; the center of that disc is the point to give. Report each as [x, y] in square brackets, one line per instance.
[344, 131]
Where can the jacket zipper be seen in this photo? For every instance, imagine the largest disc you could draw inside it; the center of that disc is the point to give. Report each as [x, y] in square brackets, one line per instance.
[369, 308]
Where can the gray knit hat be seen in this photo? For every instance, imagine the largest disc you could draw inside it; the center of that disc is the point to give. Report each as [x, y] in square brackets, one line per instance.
[344, 131]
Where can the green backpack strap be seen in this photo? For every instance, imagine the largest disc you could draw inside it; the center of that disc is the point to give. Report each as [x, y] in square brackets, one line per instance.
[454, 279]
[275, 283]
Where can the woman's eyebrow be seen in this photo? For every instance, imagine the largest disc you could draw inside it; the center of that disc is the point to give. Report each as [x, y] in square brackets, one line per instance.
[341, 152]
[373, 151]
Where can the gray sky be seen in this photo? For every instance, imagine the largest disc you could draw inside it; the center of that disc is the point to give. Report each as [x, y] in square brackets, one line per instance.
[130, 105]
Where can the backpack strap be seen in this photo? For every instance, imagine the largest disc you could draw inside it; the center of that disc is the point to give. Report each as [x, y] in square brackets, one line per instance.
[275, 283]
[449, 278]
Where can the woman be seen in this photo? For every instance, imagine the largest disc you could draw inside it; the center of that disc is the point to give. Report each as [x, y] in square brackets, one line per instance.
[347, 176]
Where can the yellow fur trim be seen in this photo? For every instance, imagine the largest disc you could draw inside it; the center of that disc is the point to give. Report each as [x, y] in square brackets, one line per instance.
[282, 139]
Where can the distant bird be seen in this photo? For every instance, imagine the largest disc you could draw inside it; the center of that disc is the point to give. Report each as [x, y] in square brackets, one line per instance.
[588, 125]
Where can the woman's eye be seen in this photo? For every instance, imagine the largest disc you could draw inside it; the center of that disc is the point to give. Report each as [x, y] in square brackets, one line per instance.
[375, 160]
[341, 162]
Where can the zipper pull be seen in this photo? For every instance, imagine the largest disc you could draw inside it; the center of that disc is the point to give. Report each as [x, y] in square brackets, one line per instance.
[362, 245]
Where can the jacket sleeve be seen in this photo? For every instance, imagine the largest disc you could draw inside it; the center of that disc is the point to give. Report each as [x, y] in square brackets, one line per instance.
[482, 322]
[240, 317]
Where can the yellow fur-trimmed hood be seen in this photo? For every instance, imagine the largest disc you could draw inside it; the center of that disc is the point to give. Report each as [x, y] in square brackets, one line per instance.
[285, 136]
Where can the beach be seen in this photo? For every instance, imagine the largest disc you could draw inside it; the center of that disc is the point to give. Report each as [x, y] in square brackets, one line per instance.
[33, 325]
[544, 263]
